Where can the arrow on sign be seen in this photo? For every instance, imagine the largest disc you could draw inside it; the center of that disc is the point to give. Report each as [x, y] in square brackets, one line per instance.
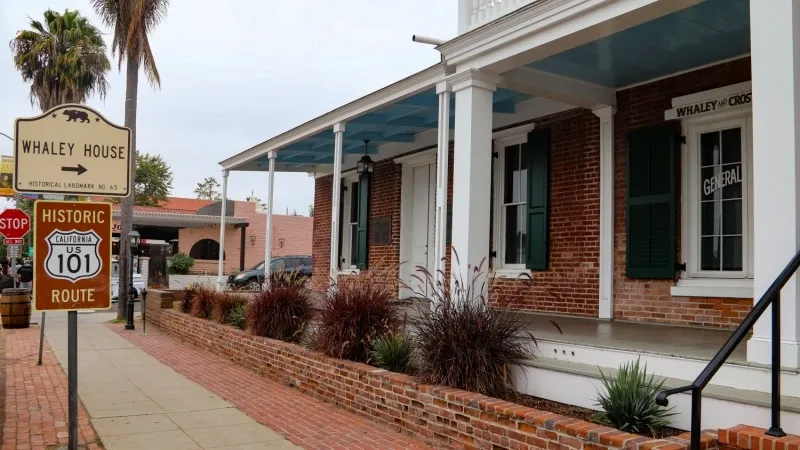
[80, 169]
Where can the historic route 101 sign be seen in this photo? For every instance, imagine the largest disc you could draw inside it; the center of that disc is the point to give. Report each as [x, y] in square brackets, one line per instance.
[72, 266]
[72, 149]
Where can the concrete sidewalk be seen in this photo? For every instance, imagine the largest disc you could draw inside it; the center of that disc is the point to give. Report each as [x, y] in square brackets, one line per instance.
[136, 402]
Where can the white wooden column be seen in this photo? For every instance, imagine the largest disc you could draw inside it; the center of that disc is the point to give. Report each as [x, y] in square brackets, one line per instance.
[442, 163]
[268, 244]
[223, 212]
[472, 174]
[606, 259]
[338, 135]
[775, 53]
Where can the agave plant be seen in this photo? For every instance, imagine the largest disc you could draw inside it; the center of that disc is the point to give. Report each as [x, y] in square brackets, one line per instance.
[628, 400]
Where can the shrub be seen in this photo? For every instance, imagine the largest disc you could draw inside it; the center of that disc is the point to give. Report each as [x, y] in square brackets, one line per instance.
[355, 312]
[181, 264]
[238, 316]
[282, 311]
[629, 401]
[392, 352]
[188, 298]
[223, 304]
[203, 302]
[465, 343]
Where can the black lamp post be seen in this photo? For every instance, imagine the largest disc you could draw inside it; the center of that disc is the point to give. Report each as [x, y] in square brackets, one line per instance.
[134, 238]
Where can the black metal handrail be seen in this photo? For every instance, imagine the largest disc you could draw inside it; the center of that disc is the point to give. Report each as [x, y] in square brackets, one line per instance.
[771, 297]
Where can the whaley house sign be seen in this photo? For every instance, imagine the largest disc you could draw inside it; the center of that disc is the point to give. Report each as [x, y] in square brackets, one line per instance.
[710, 106]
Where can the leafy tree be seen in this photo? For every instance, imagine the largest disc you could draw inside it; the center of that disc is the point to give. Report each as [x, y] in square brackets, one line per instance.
[133, 21]
[63, 58]
[153, 181]
[310, 210]
[208, 189]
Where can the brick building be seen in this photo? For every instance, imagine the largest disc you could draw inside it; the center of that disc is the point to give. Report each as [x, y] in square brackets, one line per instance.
[637, 159]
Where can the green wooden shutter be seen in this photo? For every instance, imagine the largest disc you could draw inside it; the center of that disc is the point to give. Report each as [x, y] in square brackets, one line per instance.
[363, 220]
[538, 151]
[650, 206]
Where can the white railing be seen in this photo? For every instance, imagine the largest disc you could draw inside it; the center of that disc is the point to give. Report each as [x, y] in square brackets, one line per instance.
[474, 13]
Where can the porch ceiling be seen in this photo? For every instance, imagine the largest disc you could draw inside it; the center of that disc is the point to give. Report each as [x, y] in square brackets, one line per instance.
[710, 31]
[398, 122]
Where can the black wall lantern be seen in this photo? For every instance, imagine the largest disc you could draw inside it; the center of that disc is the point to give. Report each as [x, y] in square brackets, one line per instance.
[365, 164]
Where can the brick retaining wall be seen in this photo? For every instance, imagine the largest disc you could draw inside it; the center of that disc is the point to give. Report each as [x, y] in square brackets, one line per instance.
[447, 416]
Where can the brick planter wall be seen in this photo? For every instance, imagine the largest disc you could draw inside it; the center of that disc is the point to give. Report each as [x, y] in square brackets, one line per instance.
[446, 416]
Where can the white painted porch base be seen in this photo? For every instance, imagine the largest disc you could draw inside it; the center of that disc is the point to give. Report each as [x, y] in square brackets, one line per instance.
[567, 373]
[581, 390]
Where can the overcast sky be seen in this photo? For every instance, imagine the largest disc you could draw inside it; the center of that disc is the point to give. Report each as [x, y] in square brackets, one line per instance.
[235, 73]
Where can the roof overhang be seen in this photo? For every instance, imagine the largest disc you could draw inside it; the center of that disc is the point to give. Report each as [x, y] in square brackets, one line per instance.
[407, 87]
[176, 220]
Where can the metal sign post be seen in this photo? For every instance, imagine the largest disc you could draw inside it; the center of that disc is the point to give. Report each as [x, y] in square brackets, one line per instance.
[41, 339]
[71, 150]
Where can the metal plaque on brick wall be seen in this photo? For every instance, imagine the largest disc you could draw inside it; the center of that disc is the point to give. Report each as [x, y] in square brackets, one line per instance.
[381, 230]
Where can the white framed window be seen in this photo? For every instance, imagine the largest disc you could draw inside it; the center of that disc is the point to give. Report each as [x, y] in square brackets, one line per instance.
[349, 229]
[510, 215]
[717, 206]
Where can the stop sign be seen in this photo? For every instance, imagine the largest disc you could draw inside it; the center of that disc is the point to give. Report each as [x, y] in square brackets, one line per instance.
[14, 223]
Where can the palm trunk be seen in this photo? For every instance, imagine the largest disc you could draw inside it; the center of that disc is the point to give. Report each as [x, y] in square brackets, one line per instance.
[126, 213]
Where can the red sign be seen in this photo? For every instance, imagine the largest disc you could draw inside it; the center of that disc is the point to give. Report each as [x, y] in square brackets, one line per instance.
[14, 224]
[72, 263]
[14, 241]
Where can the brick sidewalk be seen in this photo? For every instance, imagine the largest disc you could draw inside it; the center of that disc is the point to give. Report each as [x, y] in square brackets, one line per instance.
[36, 397]
[303, 420]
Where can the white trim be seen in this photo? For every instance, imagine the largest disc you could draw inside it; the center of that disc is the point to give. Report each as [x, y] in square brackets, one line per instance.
[498, 217]
[691, 195]
[268, 243]
[406, 268]
[546, 28]
[417, 159]
[605, 259]
[222, 217]
[513, 135]
[713, 102]
[713, 287]
[346, 227]
[568, 90]
[338, 137]
[442, 169]
[507, 272]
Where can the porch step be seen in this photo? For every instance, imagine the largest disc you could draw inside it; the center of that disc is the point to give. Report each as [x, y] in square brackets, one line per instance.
[578, 383]
[737, 375]
[744, 396]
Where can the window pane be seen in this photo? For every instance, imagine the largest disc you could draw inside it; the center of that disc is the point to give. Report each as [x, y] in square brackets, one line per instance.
[732, 253]
[731, 179]
[709, 148]
[353, 244]
[277, 265]
[710, 179]
[711, 219]
[511, 175]
[516, 234]
[732, 146]
[732, 217]
[354, 202]
[709, 255]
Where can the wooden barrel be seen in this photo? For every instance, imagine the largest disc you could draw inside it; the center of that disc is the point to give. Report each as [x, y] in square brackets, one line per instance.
[15, 308]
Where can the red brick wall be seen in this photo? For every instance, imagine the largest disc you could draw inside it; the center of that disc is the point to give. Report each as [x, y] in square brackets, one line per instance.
[450, 417]
[570, 284]
[650, 300]
[294, 230]
[384, 202]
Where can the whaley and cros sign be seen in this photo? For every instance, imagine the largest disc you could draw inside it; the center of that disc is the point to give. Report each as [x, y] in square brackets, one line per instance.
[72, 263]
[709, 106]
[71, 149]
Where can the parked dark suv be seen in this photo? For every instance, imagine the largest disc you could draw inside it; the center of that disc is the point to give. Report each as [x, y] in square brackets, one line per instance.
[253, 279]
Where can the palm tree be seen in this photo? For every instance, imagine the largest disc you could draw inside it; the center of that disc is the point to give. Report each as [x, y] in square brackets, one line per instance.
[132, 21]
[64, 58]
